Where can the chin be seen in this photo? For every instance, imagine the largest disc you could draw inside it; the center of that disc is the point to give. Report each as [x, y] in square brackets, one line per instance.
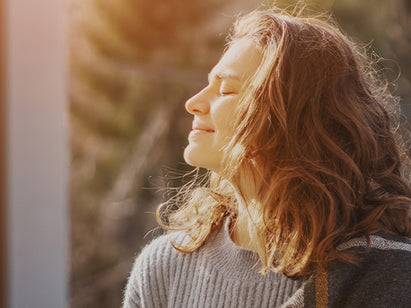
[190, 157]
[203, 158]
[198, 157]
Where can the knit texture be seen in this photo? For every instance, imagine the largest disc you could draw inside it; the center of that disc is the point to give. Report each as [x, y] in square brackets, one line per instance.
[221, 274]
[218, 274]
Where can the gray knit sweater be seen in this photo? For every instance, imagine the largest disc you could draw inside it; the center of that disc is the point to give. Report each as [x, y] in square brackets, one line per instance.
[221, 274]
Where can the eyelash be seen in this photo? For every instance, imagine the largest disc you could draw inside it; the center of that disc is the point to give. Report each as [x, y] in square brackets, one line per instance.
[222, 93]
[224, 90]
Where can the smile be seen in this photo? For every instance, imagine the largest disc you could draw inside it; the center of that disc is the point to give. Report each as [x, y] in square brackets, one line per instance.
[203, 130]
[197, 132]
[197, 127]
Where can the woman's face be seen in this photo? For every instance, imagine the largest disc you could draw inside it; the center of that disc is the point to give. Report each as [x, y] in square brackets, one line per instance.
[214, 106]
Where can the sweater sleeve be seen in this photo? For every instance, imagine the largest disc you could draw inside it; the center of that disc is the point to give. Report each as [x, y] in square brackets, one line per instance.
[149, 279]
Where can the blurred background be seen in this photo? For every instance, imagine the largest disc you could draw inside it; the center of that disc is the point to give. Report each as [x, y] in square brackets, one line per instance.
[133, 64]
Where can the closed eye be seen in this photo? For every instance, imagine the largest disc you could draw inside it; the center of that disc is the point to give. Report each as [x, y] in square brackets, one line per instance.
[227, 93]
[224, 90]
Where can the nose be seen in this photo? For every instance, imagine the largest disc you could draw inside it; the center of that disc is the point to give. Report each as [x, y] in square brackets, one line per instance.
[198, 104]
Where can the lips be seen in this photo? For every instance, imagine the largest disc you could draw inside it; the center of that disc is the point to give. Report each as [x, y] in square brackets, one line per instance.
[205, 129]
[198, 130]
[201, 127]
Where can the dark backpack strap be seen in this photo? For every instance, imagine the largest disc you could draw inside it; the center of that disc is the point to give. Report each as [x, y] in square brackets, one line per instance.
[321, 287]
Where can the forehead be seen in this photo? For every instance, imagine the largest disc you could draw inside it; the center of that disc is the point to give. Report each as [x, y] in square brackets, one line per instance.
[240, 61]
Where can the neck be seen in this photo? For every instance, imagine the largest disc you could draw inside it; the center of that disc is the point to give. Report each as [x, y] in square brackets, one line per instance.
[240, 232]
[241, 228]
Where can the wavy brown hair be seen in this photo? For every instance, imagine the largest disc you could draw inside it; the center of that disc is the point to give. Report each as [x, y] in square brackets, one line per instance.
[316, 130]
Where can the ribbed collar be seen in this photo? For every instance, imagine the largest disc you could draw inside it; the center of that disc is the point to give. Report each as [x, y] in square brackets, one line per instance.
[233, 261]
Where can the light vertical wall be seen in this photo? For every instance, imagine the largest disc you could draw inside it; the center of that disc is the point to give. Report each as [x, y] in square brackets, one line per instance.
[36, 153]
[2, 171]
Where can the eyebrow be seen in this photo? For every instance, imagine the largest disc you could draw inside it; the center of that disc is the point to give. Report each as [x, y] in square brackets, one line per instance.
[224, 75]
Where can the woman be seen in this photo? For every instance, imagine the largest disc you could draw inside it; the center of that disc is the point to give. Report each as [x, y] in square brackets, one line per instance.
[306, 201]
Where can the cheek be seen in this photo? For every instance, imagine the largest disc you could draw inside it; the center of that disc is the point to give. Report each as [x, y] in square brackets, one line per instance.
[224, 118]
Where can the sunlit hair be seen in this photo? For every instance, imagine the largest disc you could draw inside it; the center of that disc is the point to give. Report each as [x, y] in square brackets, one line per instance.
[315, 131]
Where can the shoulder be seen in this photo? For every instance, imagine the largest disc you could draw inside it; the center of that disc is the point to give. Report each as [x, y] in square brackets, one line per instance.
[387, 254]
[380, 241]
[381, 276]
[157, 252]
[151, 273]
